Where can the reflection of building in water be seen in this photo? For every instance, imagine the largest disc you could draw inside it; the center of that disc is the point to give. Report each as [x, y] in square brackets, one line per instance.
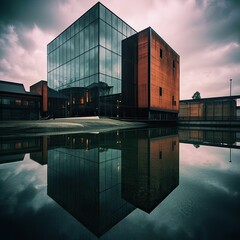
[47, 143]
[217, 138]
[150, 169]
[85, 172]
[85, 179]
[14, 149]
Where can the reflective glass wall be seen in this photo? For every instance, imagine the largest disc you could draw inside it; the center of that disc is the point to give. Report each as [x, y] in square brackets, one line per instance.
[87, 57]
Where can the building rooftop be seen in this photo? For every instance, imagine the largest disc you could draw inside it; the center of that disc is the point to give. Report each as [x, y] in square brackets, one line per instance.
[233, 97]
[12, 87]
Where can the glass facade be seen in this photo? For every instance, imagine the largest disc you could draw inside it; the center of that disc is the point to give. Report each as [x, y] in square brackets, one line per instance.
[84, 61]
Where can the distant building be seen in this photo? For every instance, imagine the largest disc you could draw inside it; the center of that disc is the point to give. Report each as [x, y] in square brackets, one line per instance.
[218, 108]
[150, 77]
[53, 103]
[84, 61]
[16, 103]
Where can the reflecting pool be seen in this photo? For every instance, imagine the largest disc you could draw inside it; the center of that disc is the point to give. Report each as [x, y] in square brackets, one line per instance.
[151, 183]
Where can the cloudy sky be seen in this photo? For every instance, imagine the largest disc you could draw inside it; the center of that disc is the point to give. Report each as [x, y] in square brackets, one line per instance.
[205, 33]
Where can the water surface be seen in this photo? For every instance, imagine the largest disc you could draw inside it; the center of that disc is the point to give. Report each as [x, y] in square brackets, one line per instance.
[132, 184]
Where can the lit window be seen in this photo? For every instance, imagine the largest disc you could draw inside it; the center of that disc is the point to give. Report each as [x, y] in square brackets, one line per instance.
[81, 100]
[86, 96]
[18, 102]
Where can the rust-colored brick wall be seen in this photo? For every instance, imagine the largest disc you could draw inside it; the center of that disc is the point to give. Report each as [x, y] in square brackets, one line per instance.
[165, 73]
[41, 89]
[143, 69]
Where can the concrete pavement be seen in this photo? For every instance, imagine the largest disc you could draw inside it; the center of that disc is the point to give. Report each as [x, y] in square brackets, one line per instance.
[63, 125]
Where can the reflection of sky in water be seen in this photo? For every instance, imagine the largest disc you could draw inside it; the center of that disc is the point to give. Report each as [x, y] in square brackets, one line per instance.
[205, 205]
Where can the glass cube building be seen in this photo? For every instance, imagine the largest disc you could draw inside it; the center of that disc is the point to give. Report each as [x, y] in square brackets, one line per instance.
[84, 62]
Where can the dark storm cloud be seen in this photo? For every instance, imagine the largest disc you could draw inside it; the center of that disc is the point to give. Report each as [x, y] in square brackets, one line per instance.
[29, 12]
[223, 18]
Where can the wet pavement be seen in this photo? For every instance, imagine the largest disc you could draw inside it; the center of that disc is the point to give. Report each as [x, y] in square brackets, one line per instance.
[63, 125]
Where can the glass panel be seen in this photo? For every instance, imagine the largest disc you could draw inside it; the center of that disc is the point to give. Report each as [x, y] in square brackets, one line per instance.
[81, 42]
[96, 33]
[91, 80]
[128, 31]
[102, 33]
[65, 52]
[68, 50]
[86, 38]
[96, 60]
[57, 57]
[108, 81]
[114, 65]
[64, 35]
[108, 17]
[86, 63]
[71, 48]
[102, 78]
[95, 10]
[115, 85]
[119, 68]
[60, 75]
[108, 63]
[102, 12]
[68, 73]
[72, 71]
[76, 27]
[76, 62]
[81, 23]
[61, 55]
[50, 61]
[81, 66]
[81, 83]
[114, 41]
[60, 39]
[96, 78]
[72, 31]
[124, 29]
[102, 61]
[64, 74]
[91, 35]
[119, 87]
[68, 33]
[86, 19]
[91, 62]
[108, 37]
[86, 82]
[76, 43]
[114, 21]
[91, 15]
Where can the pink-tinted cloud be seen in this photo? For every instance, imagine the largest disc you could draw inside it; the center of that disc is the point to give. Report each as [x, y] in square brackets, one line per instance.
[204, 33]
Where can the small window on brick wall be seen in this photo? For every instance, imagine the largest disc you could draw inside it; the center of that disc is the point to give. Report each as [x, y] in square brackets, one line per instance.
[160, 91]
[173, 101]
[173, 64]
[161, 53]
